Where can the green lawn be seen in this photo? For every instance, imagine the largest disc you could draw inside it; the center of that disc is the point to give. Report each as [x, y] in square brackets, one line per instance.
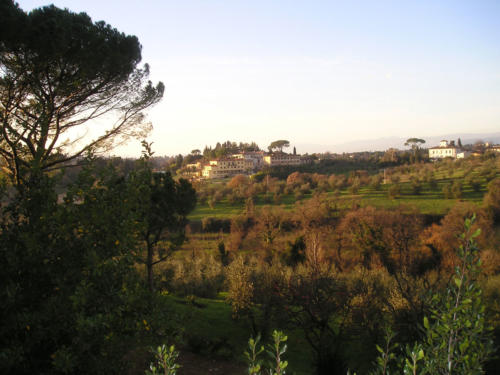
[428, 201]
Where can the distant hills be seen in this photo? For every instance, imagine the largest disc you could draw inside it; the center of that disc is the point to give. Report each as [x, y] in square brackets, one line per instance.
[382, 144]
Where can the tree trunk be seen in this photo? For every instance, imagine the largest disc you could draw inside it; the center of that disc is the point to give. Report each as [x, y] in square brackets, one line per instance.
[149, 266]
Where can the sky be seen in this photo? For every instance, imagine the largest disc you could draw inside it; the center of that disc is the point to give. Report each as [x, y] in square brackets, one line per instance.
[312, 72]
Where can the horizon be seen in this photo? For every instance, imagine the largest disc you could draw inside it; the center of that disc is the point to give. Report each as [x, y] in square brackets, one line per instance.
[311, 73]
[350, 147]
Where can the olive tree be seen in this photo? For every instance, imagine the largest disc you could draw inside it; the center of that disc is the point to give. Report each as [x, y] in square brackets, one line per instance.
[60, 72]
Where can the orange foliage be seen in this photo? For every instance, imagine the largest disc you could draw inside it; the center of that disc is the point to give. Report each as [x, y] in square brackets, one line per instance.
[388, 238]
[237, 181]
[444, 237]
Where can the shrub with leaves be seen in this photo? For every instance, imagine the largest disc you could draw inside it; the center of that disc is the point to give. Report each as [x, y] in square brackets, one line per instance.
[71, 297]
[275, 365]
[165, 361]
[457, 337]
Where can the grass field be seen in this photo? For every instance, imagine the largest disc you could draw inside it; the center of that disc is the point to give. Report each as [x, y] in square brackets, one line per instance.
[427, 202]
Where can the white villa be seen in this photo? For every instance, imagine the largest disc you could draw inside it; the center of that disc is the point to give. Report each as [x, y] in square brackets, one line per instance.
[222, 168]
[444, 150]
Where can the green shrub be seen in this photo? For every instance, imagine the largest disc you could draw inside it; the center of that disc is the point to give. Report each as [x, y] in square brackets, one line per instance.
[275, 364]
[71, 298]
[165, 361]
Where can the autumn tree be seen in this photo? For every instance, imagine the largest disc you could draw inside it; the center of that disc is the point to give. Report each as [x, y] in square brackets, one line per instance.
[443, 238]
[363, 232]
[61, 72]
[458, 337]
[314, 216]
[238, 184]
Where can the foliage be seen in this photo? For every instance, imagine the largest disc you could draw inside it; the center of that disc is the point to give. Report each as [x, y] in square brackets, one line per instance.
[161, 207]
[457, 337]
[279, 145]
[354, 188]
[394, 191]
[60, 71]
[228, 148]
[447, 191]
[276, 365]
[414, 142]
[457, 334]
[194, 274]
[456, 189]
[416, 187]
[71, 297]
[317, 302]
[254, 363]
[473, 182]
[492, 199]
[276, 351]
[269, 223]
[165, 358]
[444, 237]
[214, 225]
[296, 251]
[241, 288]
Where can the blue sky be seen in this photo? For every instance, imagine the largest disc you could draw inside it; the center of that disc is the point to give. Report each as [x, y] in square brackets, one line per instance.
[315, 72]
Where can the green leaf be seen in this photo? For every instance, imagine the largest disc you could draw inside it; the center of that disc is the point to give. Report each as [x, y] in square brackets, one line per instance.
[463, 346]
[420, 354]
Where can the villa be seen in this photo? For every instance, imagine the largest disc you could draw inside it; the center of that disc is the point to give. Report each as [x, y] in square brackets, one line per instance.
[444, 150]
[228, 167]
